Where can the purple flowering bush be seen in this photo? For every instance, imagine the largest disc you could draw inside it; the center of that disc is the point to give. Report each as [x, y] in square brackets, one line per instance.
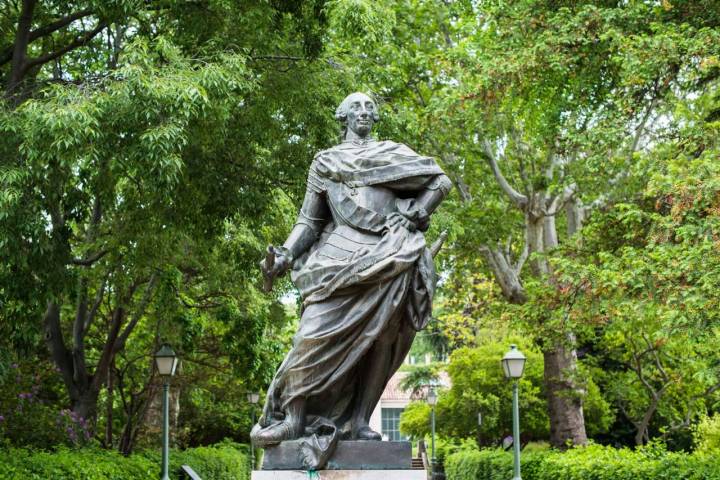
[31, 410]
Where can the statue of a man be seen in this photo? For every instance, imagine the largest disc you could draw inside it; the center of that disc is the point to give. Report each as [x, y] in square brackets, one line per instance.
[359, 258]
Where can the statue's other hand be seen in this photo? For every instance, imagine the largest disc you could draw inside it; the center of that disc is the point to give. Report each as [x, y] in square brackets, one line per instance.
[281, 263]
[401, 220]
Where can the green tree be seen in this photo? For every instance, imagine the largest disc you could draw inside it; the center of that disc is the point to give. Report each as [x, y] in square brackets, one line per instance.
[645, 275]
[140, 173]
[553, 101]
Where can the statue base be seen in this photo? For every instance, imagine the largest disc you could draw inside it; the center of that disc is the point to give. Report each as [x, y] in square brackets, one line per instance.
[340, 475]
[348, 455]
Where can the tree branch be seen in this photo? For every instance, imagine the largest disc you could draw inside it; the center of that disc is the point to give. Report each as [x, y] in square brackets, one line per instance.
[147, 296]
[108, 352]
[78, 350]
[560, 200]
[52, 27]
[76, 43]
[56, 345]
[96, 305]
[518, 198]
[58, 24]
[89, 260]
[641, 126]
[504, 274]
[523, 256]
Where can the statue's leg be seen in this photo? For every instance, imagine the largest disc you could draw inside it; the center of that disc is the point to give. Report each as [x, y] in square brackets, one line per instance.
[295, 416]
[374, 373]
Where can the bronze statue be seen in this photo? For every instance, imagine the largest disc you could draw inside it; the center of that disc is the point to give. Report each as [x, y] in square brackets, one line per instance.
[359, 258]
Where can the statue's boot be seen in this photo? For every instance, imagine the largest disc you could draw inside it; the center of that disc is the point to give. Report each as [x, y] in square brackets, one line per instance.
[290, 428]
[367, 433]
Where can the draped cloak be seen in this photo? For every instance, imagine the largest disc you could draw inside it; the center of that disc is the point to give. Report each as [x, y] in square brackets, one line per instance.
[362, 280]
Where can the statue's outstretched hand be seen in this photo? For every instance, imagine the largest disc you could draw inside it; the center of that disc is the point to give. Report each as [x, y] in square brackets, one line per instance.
[277, 261]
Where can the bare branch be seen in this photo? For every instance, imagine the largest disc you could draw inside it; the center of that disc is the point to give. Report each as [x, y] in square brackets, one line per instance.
[108, 352]
[57, 347]
[506, 276]
[560, 200]
[518, 198]
[58, 24]
[80, 315]
[520, 262]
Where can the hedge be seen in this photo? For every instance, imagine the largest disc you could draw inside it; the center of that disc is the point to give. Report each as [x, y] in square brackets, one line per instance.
[594, 462]
[225, 461]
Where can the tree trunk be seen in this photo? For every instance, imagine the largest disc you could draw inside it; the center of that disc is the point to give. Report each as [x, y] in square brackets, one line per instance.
[109, 407]
[22, 40]
[565, 399]
[86, 406]
[567, 423]
[81, 389]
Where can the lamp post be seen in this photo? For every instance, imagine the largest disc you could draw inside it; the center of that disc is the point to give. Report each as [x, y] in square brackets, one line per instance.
[253, 399]
[432, 401]
[166, 362]
[513, 366]
[479, 430]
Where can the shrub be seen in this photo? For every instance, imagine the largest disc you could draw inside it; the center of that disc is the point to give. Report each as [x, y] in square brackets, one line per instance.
[69, 464]
[594, 462]
[706, 434]
[225, 461]
[30, 413]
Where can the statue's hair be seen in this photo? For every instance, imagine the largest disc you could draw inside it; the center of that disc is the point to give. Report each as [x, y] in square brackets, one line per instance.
[342, 109]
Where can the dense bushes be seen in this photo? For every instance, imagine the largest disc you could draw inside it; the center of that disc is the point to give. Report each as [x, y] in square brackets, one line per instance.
[220, 462]
[590, 463]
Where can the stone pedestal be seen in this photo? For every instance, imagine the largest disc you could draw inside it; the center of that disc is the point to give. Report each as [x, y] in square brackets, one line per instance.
[348, 455]
[340, 475]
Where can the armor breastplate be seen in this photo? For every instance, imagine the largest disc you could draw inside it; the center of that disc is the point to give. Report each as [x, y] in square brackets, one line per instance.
[365, 207]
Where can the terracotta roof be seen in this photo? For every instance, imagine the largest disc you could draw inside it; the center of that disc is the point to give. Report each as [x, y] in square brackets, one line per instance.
[392, 389]
[394, 392]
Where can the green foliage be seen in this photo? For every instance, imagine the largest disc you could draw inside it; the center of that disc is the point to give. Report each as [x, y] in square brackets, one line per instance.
[225, 461]
[706, 434]
[418, 377]
[594, 462]
[478, 385]
[645, 279]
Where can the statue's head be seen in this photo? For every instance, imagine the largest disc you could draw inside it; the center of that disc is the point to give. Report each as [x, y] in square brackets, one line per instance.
[357, 113]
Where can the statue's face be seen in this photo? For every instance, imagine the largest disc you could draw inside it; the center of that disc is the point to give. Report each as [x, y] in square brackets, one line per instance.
[361, 114]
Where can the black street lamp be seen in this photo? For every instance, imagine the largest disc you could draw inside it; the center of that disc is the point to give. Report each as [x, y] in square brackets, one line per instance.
[253, 399]
[514, 365]
[166, 362]
[432, 401]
